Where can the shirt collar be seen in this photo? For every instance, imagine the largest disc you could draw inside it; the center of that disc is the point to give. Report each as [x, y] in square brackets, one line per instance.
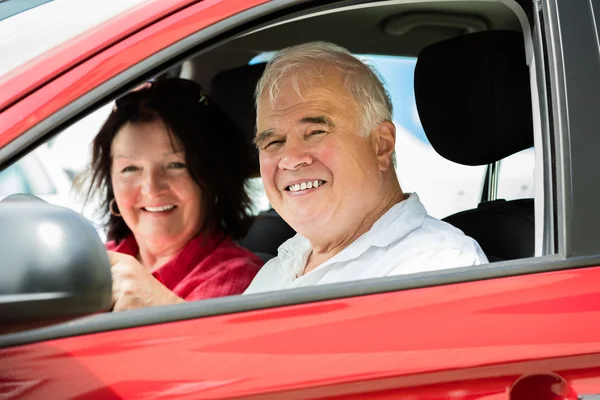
[394, 225]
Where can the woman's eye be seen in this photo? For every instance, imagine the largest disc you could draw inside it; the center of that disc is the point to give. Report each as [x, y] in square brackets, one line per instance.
[177, 165]
[129, 168]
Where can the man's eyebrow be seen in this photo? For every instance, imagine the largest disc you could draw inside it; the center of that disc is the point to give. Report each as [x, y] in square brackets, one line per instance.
[262, 136]
[320, 120]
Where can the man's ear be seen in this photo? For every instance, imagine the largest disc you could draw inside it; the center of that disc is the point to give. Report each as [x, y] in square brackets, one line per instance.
[384, 137]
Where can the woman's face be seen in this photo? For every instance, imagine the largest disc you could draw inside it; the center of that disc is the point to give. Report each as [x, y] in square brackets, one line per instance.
[154, 191]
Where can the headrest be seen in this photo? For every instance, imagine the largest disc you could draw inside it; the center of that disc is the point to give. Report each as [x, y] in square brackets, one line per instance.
[233, 90]
[22, 197]
[473, 97]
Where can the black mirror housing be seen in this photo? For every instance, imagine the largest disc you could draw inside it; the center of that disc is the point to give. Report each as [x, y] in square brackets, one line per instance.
[54, 265]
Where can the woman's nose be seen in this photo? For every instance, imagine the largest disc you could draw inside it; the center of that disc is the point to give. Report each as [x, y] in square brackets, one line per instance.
[154, 182]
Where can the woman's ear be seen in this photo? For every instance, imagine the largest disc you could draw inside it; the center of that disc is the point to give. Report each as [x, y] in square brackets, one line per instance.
[384, 136]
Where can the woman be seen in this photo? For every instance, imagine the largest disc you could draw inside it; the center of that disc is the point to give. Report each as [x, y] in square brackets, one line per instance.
[172, 167]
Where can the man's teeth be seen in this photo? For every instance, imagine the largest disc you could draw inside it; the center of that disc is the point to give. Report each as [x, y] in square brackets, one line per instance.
[159, 208]
[305, 185]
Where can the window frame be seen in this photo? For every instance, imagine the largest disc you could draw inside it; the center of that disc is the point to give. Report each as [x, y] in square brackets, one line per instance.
[572, 54]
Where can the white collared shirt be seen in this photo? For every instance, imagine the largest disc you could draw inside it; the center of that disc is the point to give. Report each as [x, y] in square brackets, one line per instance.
[404, 240]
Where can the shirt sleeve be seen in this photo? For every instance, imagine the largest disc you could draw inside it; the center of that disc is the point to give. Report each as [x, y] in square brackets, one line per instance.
[230, 278]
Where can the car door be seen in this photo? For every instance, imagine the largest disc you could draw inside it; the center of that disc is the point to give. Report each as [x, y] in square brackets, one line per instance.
[510, 330]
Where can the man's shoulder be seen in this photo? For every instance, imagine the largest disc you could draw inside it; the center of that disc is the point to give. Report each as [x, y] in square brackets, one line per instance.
[411, 232]
[435, 236]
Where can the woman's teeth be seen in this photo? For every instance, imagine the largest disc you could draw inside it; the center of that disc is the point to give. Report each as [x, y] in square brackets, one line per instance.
[305, 185]
[159, 208]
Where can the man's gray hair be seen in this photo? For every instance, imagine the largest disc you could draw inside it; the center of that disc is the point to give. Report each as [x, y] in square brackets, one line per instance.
[308, 59]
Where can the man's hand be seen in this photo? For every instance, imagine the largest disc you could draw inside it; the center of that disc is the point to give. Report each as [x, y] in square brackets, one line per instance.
[134, 286]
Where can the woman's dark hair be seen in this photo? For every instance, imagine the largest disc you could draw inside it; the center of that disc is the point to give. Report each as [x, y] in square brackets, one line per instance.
[216, 154]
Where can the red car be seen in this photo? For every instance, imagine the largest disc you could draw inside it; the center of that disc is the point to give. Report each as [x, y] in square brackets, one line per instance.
[524, 326]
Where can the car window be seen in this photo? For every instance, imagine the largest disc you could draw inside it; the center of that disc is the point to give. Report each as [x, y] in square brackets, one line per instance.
[258, 197]
[13, 180]
[36, 174]
[515, 179]
[443, 186]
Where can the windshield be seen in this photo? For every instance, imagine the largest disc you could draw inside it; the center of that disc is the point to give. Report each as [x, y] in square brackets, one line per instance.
[8, 8]
[25, 24]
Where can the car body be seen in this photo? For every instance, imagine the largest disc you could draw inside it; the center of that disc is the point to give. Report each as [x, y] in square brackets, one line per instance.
[480, 333]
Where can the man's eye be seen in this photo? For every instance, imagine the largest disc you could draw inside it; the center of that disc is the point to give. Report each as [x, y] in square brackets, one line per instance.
[177, 165]
[129, 168]
[273, 145]
[316, 133]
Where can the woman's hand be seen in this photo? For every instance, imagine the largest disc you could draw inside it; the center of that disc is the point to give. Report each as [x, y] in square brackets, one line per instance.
[134, 286]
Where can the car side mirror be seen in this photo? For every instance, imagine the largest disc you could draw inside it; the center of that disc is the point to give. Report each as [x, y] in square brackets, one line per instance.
[54, 267]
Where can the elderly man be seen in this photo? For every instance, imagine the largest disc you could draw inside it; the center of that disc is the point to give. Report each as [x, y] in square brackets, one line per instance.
[326, 145]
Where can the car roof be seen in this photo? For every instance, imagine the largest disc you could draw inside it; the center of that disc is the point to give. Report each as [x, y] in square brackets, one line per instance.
[79, 30]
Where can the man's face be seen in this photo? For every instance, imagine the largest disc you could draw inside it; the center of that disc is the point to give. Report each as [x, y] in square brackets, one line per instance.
[320, 174]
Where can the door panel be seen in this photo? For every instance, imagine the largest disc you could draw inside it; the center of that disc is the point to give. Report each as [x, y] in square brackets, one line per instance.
[463, 341]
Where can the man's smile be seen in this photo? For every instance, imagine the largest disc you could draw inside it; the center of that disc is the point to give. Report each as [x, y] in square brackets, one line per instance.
[304, 185]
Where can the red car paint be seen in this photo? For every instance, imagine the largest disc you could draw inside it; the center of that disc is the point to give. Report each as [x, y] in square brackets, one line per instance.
[402, 345]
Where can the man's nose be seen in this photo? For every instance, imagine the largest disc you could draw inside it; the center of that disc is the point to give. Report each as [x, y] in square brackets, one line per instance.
[154, 182]
[295, 156]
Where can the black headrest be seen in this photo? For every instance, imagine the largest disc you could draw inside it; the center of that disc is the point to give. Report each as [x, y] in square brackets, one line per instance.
[233, 90]
[473, 97]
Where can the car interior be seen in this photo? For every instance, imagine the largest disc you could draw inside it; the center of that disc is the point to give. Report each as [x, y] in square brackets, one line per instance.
[471, 85]
[471, 88]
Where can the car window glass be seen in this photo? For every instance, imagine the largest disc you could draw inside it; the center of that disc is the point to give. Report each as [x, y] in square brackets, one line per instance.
[13, 180]
[515, 179]
[35, 172]
[258, 197]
